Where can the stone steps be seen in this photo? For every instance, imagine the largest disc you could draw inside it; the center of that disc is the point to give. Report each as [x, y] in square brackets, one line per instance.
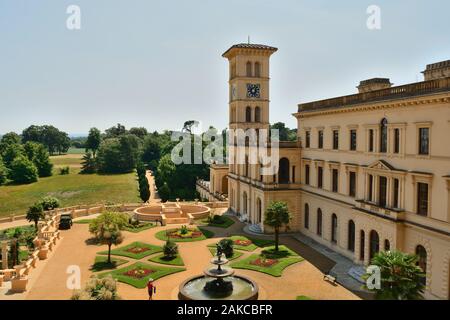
[177, 221]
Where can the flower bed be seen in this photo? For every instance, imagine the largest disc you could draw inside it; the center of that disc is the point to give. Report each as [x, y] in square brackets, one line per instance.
[260, 262]
[183, 235]
[138, 273]
[137, 250]
[241, 242]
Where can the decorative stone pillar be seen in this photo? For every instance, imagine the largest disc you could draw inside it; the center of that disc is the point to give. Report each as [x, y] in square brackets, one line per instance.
[4, 254]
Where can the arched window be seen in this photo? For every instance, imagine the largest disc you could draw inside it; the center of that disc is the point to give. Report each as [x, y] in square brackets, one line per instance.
[351, 236]
[421, 252]
[334, 228]
[387, 245]
[257, 69]
[362, 241]
[259, 210]
[283, 171]
[306, 216]
[383, 135]
[249, 69]
[244, 204]
[374, 244]
[248, 114]
[257, 114]
[319, 222]
[246, 166]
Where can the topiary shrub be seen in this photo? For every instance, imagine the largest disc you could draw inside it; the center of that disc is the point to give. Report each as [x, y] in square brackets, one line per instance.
[170, 249]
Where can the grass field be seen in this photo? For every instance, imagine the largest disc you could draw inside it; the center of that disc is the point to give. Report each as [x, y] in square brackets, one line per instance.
[72, 189]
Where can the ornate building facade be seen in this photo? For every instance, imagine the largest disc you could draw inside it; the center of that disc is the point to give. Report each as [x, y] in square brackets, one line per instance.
[369, 172]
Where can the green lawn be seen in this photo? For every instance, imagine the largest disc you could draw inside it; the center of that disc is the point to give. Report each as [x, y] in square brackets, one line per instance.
[221, 222]
[101, 264]
[177, 261]
[285, 257]
[124, 251]
[236, 254]
[162, 235]
[72, 189]
[250, 247]
[83, 221]
[140, 283]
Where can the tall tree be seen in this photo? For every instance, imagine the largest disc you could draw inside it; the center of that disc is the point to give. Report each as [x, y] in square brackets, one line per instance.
[401, 277]
[140, 132]
[8, 139]
[115, 132]
[107, 227]
[23, 170]
[277, 216]
[93, 141]
[187, 126]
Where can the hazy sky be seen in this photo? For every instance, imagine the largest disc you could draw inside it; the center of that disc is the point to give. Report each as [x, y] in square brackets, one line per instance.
[158, 63]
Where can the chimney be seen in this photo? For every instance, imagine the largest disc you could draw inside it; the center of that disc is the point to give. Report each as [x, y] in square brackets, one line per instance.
[374, 84]
[437, 70]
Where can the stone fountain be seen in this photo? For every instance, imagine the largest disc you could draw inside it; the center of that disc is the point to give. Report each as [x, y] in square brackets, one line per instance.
[218, 283]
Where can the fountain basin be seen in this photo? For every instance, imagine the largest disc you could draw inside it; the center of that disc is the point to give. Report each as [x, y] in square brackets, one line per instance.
[243, 289]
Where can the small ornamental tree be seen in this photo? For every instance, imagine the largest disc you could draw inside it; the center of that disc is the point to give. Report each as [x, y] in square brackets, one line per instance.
[35, 213]
[401, 277]
[170, 249]
[107, 227]
[277, 216]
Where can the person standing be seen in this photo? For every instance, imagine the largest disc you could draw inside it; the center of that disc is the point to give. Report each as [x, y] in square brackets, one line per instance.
[151, 289]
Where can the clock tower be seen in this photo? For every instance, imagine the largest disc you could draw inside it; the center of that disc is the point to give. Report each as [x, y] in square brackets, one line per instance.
[248, 114]
[249, 85]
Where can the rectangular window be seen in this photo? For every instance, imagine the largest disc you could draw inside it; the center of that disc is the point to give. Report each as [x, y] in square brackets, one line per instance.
[396, 140]
[320, 140]
[307, 174]
[307, 139]
[424, 141]
[353, 140]
[370, 191]
[293, 174]
[335, 139]
[382, 192]
[319, 177]
[335, 182]
[352, 184]
[422, 199]
[371, 137]
[396, 195]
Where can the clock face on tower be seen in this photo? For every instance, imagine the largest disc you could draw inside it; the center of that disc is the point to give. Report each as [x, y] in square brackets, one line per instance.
[253, 90]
